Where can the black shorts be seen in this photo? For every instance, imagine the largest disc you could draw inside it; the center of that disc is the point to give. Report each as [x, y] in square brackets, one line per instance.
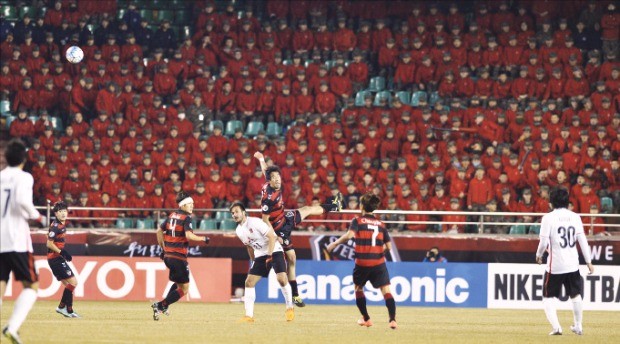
[21, 264]
[278, 263]
[60, 268]
[377, 275]
[572, 282]
[291, 219]
[179, 270]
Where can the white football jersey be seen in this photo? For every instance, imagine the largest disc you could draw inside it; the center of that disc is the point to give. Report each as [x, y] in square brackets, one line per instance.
[562, 227]
[16, 208]
[253, 233]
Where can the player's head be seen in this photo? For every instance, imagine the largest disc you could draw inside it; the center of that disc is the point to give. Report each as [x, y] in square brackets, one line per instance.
[15, 153]
[185, 201]
[274, 176]
[237, 210]
[559, 198]
[370, 202]
[60, 209]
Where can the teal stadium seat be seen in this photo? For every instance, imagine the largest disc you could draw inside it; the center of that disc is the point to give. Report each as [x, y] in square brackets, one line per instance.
[9, 119]
[415, 98]
[228, 225]
[273, 130]
[231, 126]
[517, 229]
[404, 96]
[124, 223]
[377, 84]
[223, 215]
[5, 108]
[57, 124]
[360, 96]
[10, 13]
[165, 14]
[534, 230]
[146, 14]
[253, 129]
[607, 205]
[434, 98]
[212, 125]
[145, 224]
[208, 224]
[382, 95]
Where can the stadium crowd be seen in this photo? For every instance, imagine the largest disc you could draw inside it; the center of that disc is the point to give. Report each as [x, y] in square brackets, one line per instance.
[480, 106]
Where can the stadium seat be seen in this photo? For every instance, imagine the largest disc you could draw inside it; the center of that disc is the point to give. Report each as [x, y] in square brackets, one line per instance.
[223, 215]
[404, 97]
[273, 130]
[10, 13]
[121, 12]
[165, 14]
[147, 14]
[57, 124]
[287, 62]
[5, 107]
[415, 98]
[607, 205]
[231, 126]
[32, 11]
[383, 94]
[124, 223]
[228, 225]
[253, 129]
[534, 229]
[33, 119]
[434, 98]
[330, 64]
[182, 17]
[145, 224]
[376, 84]
[212, 125]
[359, 97]
[518, 229]
[9, 119]
[208, 224]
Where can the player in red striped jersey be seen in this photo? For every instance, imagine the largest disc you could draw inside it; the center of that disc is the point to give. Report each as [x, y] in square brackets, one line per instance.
[371, 242]
[283, 223]
[173, 236]
[57, 258]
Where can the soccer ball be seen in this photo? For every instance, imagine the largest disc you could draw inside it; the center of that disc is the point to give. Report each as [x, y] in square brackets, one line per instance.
[74, 54]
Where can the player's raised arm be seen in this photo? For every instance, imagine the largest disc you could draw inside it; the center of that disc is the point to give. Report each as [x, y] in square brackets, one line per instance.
[261, 161]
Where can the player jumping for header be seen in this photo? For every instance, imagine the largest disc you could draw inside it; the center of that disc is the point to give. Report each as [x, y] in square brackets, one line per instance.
[283, 223]
[371, 241]
[560, 230]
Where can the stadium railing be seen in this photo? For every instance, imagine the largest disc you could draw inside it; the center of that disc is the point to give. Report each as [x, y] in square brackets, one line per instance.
[482, 219]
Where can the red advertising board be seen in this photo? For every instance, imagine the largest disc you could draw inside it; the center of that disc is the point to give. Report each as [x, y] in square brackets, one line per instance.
[133, 279]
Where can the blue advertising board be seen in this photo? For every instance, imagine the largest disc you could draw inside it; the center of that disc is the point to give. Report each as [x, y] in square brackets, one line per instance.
[412, 284]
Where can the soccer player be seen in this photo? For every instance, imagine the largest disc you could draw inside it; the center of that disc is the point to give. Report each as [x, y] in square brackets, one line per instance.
[371, 242]
[16, 208]
[560, 230]
[173, 236]
[57, 258]
[266, 253]
[272, 206]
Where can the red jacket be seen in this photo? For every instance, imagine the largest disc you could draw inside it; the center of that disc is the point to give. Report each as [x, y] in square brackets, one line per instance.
[325, 102]
[480, 191]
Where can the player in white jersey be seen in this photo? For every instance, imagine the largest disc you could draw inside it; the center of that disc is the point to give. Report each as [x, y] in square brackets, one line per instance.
[16, 208]
[560, 231]
[266, 253]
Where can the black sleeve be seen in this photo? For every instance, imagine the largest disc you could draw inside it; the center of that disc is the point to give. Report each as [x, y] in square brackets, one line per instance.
[53, 232]
[353, 226]
[386, 235]
[267, 206]
[187, 224]
[163, 225]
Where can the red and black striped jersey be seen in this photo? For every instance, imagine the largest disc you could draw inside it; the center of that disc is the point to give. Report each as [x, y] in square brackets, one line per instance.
[272, 204]
[370, 236]
[174, 228]
[56, 233]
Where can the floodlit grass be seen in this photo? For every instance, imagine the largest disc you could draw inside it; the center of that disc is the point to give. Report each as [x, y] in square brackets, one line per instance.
[131, 322]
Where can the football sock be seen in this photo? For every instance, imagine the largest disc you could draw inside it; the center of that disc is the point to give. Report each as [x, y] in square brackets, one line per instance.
[577, 311]
[360, 301]
[248, 301]
[67, 298]
[552, 316]
[288, 298]
[172, 297]
[293, 284]
[173, 287]
[22, 306]
[391, 305]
